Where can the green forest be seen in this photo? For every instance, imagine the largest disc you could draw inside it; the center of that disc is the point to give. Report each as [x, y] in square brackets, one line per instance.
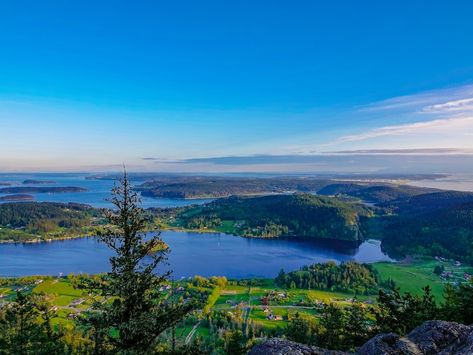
[346, 277]
[25, 221]
[295, 215]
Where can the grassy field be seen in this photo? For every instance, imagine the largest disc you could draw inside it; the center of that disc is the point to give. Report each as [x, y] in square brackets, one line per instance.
[62, 291]
[413, 276]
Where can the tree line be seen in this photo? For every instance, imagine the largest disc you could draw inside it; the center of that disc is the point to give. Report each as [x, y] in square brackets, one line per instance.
[349, 276]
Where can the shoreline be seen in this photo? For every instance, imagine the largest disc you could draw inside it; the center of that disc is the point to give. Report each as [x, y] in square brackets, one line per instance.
[354, 243]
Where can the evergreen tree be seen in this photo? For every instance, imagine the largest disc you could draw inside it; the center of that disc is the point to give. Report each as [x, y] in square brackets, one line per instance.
[429, 306]
[402, 313]
[235, 343]
[458, 304]
[358, 325]
[332, 322]
[281, 278]
[25, 327]
[298, 329]
[131, 311]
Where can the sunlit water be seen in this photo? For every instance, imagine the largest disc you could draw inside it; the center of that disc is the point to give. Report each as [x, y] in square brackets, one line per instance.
[458, 182]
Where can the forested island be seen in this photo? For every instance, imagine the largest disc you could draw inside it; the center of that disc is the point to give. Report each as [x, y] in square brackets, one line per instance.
[37, 182]
[17, 197]
[40, 189]
[218, 187]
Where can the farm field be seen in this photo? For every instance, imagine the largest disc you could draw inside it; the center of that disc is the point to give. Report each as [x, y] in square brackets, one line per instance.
[256, 302]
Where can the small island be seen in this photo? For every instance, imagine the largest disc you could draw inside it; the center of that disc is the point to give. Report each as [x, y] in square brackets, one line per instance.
[37, 182]
[40, 189]
[17, 197]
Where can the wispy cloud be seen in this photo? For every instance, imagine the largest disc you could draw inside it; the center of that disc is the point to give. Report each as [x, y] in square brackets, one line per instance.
[420, 151]
[462, 105]
[411, 128]
[426, 120]
[421, 101]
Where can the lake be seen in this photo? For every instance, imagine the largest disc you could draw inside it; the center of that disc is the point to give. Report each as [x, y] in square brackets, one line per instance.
[191, 254]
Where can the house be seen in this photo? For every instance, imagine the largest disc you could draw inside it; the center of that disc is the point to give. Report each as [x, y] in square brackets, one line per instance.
[77, 302]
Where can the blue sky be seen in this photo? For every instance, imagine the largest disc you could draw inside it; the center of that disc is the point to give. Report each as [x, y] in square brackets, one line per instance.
[87, 85]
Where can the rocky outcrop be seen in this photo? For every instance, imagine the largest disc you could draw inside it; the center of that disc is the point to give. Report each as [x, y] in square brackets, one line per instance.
[278, 346]
[432, 337]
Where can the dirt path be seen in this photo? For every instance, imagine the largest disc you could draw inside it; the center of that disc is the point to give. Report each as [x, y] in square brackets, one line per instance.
[191, 333]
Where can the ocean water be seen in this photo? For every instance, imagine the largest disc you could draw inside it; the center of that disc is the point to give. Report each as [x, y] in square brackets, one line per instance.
[97, 190]
[458, 182]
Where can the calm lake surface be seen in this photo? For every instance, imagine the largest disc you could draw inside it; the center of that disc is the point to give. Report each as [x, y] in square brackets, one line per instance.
[192, 254]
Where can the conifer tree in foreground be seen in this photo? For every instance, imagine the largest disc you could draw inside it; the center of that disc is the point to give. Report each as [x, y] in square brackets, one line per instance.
[130, 311]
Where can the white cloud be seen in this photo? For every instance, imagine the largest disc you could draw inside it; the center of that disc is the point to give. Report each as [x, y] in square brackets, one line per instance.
[461, 105]
[418, 102]
[438, 125]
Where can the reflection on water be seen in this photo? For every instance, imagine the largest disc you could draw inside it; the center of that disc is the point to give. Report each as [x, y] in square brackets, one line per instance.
[204, 254]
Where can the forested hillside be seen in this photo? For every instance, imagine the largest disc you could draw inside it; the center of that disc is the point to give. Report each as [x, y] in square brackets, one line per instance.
[373, 193]
[434, 231]
[429, 202]
[217, 187]
[22, 220]
[296, 215]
